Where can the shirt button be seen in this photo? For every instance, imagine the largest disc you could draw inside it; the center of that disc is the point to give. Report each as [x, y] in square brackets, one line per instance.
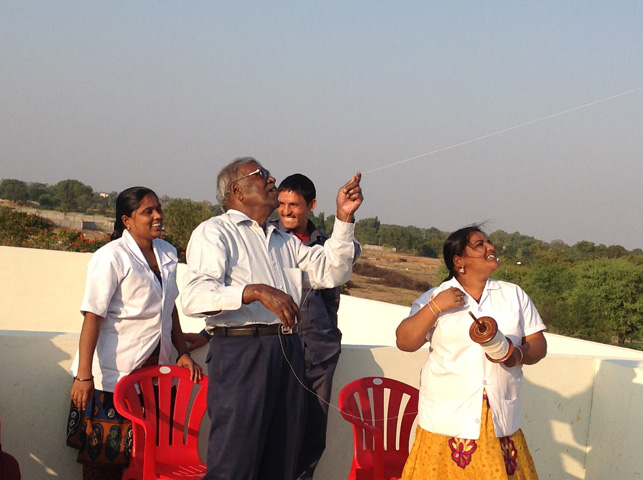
[480, 309]
[477, 420]
[484, 382]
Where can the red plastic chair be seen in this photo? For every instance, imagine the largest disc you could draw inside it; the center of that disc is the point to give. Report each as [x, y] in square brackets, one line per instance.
[382, 411]
[166, 409]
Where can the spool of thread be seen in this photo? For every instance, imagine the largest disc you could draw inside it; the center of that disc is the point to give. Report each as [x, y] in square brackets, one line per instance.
[484, 331]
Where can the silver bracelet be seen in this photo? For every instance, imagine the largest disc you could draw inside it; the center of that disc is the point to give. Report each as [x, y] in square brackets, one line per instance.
[434, 314]
[522, 355]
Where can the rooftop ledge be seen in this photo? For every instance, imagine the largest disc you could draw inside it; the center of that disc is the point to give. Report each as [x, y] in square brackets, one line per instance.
[579, 407]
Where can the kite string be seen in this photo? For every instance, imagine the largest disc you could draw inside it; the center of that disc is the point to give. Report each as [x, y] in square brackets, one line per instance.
[303, 385]
[504, 130]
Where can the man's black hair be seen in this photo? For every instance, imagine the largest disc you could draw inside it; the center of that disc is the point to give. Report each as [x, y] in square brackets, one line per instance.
[300, 184]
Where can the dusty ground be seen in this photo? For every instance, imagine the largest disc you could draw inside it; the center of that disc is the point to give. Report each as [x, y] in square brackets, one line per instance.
[397, 278]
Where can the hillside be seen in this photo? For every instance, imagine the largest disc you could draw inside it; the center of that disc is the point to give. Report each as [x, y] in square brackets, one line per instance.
[393, 277]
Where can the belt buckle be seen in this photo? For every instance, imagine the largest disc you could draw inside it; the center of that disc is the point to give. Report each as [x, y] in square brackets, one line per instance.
[285, 330]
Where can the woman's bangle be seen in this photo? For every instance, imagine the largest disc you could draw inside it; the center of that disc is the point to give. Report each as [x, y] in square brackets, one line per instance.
[522, 355]
[436, 306]
[430, 308]
[84, 379]
[181, 354]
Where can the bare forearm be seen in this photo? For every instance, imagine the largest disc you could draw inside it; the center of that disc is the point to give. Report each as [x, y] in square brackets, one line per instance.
[534, 348]
[87, 344]
[178, 340]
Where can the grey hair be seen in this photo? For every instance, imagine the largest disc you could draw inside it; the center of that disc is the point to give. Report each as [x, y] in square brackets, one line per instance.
[228, 175]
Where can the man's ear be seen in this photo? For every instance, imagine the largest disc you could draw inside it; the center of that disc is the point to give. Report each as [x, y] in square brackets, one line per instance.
[235, 191]
[312, 204]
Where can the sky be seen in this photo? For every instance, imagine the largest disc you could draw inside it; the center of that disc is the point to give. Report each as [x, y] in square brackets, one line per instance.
[525, 115]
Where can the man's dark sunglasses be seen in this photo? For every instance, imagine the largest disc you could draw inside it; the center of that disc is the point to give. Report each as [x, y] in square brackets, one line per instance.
[259, 171]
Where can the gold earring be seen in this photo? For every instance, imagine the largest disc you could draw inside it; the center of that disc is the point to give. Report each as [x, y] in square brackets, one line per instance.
[461, 270]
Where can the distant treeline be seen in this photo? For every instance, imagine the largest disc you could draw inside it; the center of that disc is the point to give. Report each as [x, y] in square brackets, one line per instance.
[589, 291]
[66, 196]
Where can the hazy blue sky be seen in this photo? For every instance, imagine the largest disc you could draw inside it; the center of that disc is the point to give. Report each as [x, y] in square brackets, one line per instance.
[164, 93]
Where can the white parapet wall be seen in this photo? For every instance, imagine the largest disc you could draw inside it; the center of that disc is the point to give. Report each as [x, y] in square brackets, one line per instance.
[579, 406]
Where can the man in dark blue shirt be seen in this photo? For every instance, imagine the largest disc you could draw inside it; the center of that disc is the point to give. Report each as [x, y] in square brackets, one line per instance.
[318, 329]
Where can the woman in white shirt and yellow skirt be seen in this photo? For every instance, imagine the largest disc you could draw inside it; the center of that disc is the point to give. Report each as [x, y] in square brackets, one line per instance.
[469, 391]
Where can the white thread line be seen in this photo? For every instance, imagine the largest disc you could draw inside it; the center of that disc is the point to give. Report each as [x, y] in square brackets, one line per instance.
[343, 412]
[531, 122]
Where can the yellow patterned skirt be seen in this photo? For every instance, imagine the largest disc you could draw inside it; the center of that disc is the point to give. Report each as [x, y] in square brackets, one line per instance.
[440, 457]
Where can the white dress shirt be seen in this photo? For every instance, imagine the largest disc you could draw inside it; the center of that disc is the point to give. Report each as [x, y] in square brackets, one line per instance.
[136, 308]
[457, 371]
[230, 251]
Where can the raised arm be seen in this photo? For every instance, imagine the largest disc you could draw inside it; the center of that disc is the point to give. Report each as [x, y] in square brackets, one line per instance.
[349, 199]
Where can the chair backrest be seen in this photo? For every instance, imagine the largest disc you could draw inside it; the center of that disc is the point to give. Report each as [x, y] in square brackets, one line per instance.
[382, 411]
[166, 409]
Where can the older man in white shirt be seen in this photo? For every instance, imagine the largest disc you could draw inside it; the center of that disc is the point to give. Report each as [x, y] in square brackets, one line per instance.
[246, 277]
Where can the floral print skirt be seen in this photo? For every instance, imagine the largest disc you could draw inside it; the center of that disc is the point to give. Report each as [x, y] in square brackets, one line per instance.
[103, 436]
[440, 457]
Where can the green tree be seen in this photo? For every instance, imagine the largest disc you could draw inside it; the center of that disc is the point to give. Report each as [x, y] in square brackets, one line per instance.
[547, 286]
[608, 299]
[428, 249]
[35, 190]
[14, 190]
[367, 231]
[181, 218]
[73, 195]
[586, 250]
[46, 200]
[616, 251]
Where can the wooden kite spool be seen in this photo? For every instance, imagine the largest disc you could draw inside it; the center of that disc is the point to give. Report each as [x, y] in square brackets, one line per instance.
[484, 331]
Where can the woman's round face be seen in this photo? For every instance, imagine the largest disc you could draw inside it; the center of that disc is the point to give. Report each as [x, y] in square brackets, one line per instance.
[479, 255]
[146, 222]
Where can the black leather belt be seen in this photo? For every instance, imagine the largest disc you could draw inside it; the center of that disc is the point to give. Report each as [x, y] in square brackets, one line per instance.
[253, 330]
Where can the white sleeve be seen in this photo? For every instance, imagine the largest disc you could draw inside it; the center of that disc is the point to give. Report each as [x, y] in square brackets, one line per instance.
[205, 287]
[532, 322]
[330, 265]
[101, 283]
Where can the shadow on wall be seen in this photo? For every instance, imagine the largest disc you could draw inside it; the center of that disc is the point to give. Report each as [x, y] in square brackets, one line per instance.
[34, 402]
[541, 432]
[27, 376]
[588, 422]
